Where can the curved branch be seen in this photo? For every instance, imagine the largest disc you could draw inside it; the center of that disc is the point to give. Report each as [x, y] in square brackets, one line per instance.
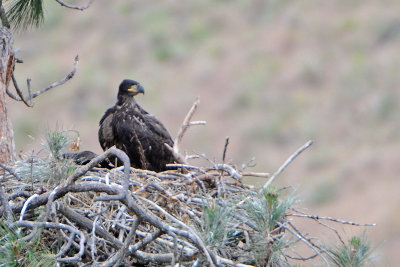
[59, 190]
[28, 102]
[68, 77]
[21, 96]
[287, 162]
[69, 228]
[81, 8]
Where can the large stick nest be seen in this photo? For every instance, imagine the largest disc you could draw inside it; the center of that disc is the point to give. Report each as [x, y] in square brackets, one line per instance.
[139, 217]
[192, 216]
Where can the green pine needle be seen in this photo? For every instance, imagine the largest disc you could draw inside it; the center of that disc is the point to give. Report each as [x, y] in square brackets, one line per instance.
[25, 13]
[357, 252]
[215, 221]
[14, 251]
[56, 142]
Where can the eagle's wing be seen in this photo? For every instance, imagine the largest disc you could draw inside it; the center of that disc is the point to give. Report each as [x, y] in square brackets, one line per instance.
[154, 125]
[106, 135]
[158, 128]
[142, 137]
[130, 135]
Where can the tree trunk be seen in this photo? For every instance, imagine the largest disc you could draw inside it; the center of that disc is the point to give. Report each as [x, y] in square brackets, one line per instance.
[7, 146]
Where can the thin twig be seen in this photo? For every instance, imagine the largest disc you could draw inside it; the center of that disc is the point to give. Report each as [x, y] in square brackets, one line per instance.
[120, 255]
[12, 95]
[302, 258]
[315, 217]
[256, 174]
[305, 241]
[185, 166]
[195, 237]
[145, 241]
[81, 8]
[21, 96]
[225, 148]
[186, 123]
[287, 162]
[66, 247]
[229, 169]
[66, 78]
[333, 229]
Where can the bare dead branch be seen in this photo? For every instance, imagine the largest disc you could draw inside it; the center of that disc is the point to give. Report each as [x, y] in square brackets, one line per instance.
[189, 233]
[68, 77]
[72, 230]
[66, 247]
[22, 194]
[305, 241]
[86, 223]
[26, 204]
[302, 258]
[287, 162]
[232, 263]
[316, 217]
[21, 96]
[12, 95]
[185, 166]
[332, 229]
[186, 124]
[81, 8]
[29, 101]
[10, 170]
[116, 260]
[225, 148]
[81, 171]
[149, 238]
[257, 174]
[229, 169]
[178, 157]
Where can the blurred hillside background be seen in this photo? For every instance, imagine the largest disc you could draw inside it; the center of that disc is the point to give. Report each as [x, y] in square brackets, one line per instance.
[270, 74]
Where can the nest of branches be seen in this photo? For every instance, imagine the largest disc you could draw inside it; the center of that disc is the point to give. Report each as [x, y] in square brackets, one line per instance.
[189, 216]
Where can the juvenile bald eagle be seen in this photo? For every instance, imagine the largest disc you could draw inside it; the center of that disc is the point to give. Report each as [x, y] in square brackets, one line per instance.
[130, 128]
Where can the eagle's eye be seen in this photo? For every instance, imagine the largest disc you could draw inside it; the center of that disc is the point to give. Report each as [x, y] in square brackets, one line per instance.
[133, 88]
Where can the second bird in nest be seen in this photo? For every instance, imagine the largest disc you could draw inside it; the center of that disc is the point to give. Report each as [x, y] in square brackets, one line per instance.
[132, 129]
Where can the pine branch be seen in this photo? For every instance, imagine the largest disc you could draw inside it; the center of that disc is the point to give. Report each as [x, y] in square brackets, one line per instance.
[23, 14]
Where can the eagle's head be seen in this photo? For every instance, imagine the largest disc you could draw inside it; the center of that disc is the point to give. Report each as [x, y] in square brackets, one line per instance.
[130, 88]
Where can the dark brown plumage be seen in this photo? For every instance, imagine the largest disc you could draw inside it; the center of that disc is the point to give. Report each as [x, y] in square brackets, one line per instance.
[130, 128]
